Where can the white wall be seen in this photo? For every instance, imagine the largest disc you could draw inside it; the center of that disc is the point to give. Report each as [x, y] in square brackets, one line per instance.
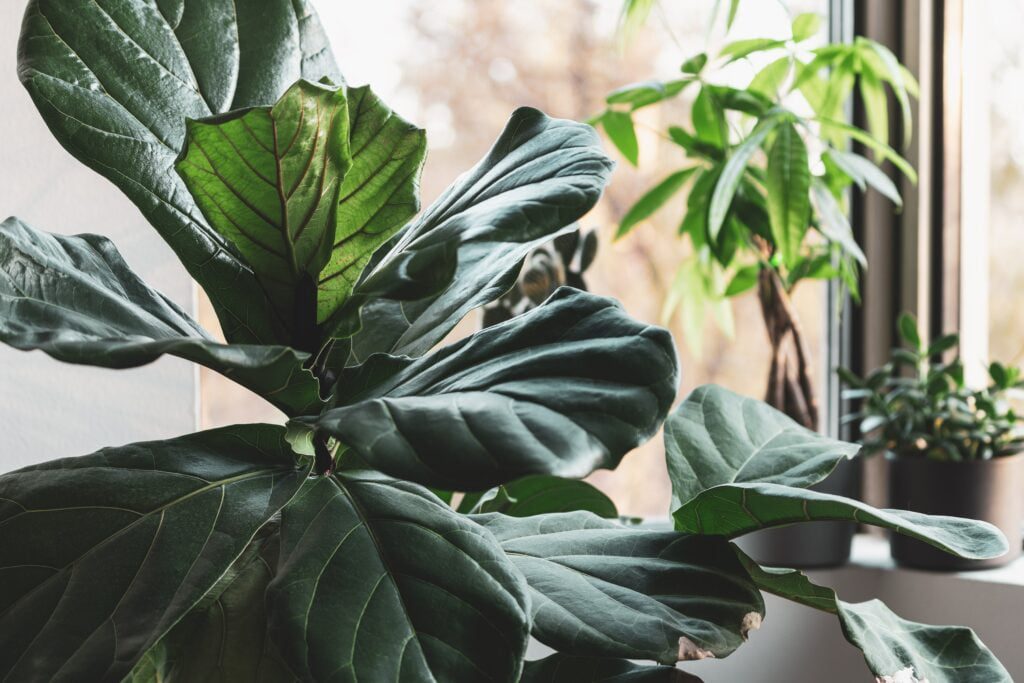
[50, 409]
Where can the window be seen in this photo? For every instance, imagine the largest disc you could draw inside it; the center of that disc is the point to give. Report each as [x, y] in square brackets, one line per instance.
[459, 68]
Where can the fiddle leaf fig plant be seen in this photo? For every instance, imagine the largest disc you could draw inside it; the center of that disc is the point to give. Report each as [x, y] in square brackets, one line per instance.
[335, 547]
[737, 465]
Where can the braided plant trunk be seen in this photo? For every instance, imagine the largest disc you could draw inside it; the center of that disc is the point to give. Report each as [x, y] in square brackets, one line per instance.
[789, 379]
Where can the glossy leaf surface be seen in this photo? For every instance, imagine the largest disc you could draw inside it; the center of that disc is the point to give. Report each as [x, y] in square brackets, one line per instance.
[104, 553]
[788, 184]
[379, 193]
[115, 80]
[891, 645]
[602, 590]
[380, 580]
[540, 176]
[564, 389]
[734, 509]
[76, 299]
[719, 437]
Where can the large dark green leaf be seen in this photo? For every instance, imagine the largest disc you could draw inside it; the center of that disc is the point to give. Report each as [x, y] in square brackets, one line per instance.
[115, 81]
[540, 494]
[891, 645]
[541, 175]
[76, 299]
[734, 509]
[381, 581]
[602, 590]
[379, 194]
[559, 668]
[788, 184]
[564, 389]
[268, 179]
[224, 639]
[103, 554]
[718, 437]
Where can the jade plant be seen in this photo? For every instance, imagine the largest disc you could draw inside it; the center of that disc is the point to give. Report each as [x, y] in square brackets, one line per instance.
[768, 163]
[419, 517]
[919, 404]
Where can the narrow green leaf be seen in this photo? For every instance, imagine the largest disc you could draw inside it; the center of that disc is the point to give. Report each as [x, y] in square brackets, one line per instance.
[863, 171]
[267, 179]
[619, 127]
[598, 589]
[744, 280]
[739, 49]
[908, 331]
[718, 437]
[876, 106]
[127, 541]
[732, 510]
[734, 6]
[834, 224]
[115, 84]
[806, 26]
[709, 120]
[639, 95]
[74, 298]
[895, 74]
[378, 194]
[893, 648]
[365, 563]
[694, 65]
[575, 377]
[769, 80]
[884, 151]
[732, 173]
[788, 186]
[653, 200]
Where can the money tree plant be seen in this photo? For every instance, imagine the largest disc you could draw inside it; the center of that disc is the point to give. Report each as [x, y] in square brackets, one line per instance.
[768, 164]
[332, 548]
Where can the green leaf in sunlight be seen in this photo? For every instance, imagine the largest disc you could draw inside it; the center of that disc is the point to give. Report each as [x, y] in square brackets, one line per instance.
[884, 151]
[806, 26]
[876, 106]
[654, 200]
[378, 194]
[732, 173]
[709, 120]
[788, 186]
[743, 281]
[769, 80]
[268, 179]
[619, 127]
[863, 172]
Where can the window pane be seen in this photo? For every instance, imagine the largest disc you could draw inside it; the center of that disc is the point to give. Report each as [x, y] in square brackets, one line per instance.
[459, 68]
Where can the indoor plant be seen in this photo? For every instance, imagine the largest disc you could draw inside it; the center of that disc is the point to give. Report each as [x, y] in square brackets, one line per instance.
[767, 182]
[316, 551]
[952, 449]
[764, 210]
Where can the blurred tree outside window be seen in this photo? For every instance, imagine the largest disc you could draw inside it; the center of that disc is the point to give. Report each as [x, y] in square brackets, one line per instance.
[459, 67]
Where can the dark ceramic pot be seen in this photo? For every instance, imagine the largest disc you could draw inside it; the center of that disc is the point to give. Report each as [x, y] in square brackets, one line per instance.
[989, 490]
[811, 544]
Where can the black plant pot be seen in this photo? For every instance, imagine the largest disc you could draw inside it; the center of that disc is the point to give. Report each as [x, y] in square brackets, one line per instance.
[811, 544]
[989, 490]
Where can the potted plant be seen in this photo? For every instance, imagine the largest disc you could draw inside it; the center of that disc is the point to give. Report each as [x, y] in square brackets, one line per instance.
[768, 168]
[329, 548]
[952, 449]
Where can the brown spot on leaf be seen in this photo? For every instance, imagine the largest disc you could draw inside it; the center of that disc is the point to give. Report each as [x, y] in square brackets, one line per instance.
[751, 622]
[688, 650]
